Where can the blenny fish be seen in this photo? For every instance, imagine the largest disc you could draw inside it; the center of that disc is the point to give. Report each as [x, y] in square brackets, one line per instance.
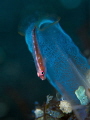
[39, 62]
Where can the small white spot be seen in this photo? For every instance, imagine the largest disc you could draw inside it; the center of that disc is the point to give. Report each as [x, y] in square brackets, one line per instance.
[38, 57]
[34, 47]
[35, 52]
[65, 106]
[38, 113]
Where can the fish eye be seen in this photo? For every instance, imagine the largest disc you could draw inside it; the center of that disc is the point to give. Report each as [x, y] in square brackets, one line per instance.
[42, 72]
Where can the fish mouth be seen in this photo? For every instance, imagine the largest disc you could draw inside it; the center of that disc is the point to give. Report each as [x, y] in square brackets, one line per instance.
[42, 77]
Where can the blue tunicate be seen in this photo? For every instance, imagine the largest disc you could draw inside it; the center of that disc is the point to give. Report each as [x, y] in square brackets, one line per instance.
[65, 65]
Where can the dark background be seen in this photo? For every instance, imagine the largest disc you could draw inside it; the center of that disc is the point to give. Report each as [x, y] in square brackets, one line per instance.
[19, 85]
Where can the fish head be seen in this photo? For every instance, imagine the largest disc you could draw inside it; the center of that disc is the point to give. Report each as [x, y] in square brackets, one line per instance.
[41, 74]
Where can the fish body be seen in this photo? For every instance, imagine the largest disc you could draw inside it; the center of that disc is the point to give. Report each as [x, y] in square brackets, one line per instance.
[39, 62]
